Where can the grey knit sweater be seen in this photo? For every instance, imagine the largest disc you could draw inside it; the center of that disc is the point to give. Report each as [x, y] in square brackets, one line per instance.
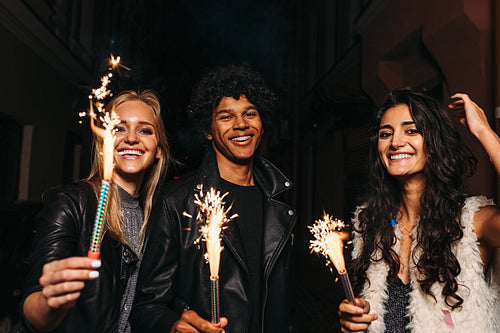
[133, 217]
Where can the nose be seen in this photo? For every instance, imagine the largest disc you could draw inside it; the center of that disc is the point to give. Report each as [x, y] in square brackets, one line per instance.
[131, 137]
[398, 140]
[240, 122]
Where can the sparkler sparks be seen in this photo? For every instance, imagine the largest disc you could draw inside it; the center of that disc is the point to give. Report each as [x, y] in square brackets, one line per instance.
[329, 236]
[212, 217]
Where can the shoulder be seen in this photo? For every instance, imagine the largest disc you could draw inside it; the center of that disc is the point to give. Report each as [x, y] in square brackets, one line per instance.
[477, 209]
[67, 201]
[355, 216]
[183, 184]
[76, 190]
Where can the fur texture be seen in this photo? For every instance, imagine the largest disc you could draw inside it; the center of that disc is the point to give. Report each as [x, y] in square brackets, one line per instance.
[480, 311]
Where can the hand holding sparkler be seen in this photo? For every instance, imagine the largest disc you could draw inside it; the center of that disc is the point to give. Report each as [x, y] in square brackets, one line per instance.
[212, 216]
[329, 236]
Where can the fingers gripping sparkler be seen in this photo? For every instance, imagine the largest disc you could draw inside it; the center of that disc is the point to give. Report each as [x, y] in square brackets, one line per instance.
[329, 236]
[212, 216]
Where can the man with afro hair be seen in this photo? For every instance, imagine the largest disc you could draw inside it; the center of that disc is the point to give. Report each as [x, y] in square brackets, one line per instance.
[231, 107]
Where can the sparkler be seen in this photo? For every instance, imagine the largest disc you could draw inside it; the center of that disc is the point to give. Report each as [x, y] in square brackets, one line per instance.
[212, 217]
[108, 120]
[329, 236]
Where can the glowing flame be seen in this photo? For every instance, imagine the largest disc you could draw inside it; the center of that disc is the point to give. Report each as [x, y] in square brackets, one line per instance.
[329, 236]
[109, 121]
[212, 216]
[115, 63]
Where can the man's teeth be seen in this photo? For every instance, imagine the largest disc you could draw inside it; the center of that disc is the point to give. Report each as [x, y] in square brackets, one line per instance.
[131, 152]
[400, 156]
[241, 138]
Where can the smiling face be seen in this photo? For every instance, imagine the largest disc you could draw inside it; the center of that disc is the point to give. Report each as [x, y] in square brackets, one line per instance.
[136, 144]
[236, 130]
[400, 144]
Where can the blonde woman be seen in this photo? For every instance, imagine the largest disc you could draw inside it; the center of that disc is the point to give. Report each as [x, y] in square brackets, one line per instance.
[66, 291]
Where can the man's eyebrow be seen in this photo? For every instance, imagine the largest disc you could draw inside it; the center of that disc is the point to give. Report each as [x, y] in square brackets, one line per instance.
[224, 111]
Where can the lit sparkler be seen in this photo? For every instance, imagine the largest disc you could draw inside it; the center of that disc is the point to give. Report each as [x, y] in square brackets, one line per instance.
[108, 120]
[329, 236]
[212, 217]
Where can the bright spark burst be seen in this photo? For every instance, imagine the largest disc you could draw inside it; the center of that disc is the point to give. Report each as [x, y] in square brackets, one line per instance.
[115, 63]
[212, 217]
[329, 236]
[107, 119]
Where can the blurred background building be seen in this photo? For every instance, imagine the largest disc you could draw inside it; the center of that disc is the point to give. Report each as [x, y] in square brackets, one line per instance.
[332, 62]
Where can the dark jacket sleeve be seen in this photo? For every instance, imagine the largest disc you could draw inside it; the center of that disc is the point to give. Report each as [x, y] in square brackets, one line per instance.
[154, 307]
[57, 232]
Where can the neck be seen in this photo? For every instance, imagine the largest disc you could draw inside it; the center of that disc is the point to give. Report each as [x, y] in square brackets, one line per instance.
[132, 186]
[411, 194]
[239, 174]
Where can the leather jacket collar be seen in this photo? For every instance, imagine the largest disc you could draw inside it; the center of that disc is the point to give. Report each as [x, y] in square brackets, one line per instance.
[269, 178]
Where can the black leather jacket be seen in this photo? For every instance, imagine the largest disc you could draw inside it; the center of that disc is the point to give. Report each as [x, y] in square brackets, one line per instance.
[64, 227]
[174, 275]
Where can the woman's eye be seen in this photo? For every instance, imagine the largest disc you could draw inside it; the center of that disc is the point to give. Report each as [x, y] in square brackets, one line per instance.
[251, 114]
[384, 135]
[119, 129]
[147, 131]
[412, 131]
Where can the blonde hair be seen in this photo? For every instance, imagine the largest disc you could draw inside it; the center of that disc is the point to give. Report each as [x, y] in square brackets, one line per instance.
[153, 177]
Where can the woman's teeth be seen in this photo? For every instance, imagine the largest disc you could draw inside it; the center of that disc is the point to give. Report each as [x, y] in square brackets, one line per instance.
[400, 156]
[130, 152]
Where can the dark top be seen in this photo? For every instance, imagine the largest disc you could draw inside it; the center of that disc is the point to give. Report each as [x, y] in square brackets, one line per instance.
[247, 203]
[178, 277]
[395, 318]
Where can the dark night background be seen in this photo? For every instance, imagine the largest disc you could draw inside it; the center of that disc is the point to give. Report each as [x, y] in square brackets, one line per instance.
[331, 62]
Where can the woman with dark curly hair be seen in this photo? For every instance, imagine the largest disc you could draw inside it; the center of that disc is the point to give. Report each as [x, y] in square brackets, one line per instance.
[424, 252]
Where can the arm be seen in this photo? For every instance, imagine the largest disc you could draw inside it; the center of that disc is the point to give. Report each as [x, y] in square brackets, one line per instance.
[355, 318]
[487, 228]
[54, 280]
[473, 117]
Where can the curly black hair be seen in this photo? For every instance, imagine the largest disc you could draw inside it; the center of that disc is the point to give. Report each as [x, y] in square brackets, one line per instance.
[230, 81]
[448, 163]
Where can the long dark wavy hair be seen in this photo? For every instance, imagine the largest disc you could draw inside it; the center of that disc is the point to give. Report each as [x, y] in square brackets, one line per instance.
[448, 163]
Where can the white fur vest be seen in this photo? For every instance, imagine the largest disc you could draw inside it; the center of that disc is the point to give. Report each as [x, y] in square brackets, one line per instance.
[480, 311]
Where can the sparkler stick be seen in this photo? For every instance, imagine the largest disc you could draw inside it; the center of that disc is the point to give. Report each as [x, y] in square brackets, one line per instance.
[329, 236]
[212, 217]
